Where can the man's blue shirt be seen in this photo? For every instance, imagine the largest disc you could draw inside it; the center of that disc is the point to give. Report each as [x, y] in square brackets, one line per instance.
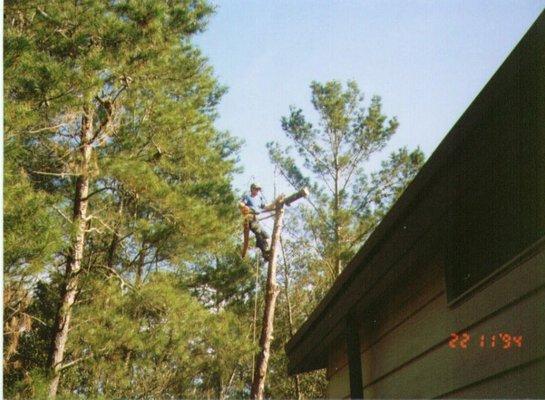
[255, 203]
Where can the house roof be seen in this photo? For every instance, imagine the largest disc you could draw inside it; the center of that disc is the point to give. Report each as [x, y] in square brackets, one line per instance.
[424, 200]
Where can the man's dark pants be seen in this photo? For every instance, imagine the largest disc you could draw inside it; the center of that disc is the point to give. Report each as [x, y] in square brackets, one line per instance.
[261, 236]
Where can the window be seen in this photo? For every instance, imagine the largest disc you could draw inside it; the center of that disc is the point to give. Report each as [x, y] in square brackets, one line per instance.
[500, 209]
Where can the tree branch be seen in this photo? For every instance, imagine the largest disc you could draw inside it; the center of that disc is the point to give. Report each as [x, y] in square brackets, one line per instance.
[62, 174]
[63, 215]
[98, 191]
[118, 276]
[76, 361]
[315, 157]
[48, 128]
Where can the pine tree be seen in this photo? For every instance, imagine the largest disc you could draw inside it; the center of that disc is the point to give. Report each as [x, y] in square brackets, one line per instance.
[114, 109]
[347, 201]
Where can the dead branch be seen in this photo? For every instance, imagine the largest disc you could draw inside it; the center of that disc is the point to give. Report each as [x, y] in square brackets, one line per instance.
[62, 214]
[48, 128]
[61, 174]
[76, 361]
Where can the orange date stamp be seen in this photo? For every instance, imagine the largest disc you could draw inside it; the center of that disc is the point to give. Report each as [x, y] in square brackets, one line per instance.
[464, 340]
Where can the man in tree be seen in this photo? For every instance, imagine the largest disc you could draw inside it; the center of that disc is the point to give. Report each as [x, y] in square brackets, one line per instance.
[250, 205]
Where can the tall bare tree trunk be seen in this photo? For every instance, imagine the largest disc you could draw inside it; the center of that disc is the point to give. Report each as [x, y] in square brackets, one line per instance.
[73, 262]
[254, 322]
[271, 293]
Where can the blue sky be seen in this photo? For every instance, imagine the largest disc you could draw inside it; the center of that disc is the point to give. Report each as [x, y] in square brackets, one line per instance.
[426, 59]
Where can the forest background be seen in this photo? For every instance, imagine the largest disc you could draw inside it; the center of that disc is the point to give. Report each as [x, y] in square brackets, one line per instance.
[122, 273]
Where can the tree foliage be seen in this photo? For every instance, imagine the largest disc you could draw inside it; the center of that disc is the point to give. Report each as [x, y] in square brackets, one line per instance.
[347, 200]
[159, 197]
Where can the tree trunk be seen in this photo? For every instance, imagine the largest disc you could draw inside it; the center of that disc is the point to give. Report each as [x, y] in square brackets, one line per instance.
[271, 293]
[73, 262]
[336, 206]
[140, 266]
[254, 323]
[111, 250]
[115, 239]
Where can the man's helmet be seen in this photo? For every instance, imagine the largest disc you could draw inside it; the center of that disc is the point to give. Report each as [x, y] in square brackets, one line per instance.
[255, 185]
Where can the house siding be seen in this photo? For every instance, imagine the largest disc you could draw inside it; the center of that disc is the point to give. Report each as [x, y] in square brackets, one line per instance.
[405, 352]
[414, 360]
